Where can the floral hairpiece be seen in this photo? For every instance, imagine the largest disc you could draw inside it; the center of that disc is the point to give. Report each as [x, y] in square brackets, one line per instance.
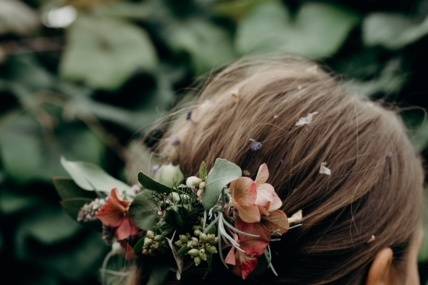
[217, 214]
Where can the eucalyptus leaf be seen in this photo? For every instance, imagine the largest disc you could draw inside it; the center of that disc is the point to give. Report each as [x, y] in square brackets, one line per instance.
[92, 178]
[105, 52]
[222, 173]
[317, 31]
[144, 210]
[150, 184]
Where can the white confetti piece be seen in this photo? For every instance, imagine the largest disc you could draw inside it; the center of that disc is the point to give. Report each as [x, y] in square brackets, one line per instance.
[324, 169]
[306, 120]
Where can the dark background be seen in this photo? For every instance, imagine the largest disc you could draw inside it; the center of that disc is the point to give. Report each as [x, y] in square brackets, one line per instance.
[85, 78]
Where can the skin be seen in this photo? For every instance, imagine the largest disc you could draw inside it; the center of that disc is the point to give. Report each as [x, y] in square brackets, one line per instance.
[382, 271]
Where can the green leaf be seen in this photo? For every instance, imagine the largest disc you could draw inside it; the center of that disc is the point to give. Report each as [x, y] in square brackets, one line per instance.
[158, 275]
[127, 10]
[92, 178]
[317, 31]
[16, 17]
[105, 52]
[138, 247]
[12, 202]
[73, 197]
[47, 226]
[150, 184]
[72, 206]
[28, 153]
[219, 177]
[208, 45]
[67, 189]
[236, 9]
[26, 71]
[390, 81]
[144, 210]
[393, 31]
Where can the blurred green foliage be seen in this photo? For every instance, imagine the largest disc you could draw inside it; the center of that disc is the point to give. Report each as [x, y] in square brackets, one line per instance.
[83, 78]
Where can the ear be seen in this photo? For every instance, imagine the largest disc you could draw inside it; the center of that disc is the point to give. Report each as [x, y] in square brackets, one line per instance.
[380, 272]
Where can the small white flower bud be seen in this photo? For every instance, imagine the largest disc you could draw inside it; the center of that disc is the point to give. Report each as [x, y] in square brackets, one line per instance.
[175, 197]
[193, 181]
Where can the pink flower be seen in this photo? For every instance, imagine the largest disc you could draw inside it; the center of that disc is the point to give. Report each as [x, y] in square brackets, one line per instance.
[115, 214]
[252, 199]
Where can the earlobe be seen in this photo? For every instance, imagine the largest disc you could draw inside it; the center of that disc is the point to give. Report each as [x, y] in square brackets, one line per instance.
[381, 268]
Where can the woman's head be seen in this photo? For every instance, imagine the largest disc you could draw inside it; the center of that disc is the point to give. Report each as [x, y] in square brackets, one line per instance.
[372, 200]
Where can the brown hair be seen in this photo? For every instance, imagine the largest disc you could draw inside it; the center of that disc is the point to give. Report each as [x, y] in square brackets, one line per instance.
[371, 200]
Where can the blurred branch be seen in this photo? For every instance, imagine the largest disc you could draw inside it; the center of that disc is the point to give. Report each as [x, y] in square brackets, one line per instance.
[31, 45]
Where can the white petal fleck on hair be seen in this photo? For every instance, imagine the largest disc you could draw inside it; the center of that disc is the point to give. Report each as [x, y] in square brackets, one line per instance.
[324, 169]
[306, 120]
[371, 239]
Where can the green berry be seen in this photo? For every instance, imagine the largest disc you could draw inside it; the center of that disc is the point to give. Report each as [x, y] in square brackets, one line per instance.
[197, 261]
[193, 252]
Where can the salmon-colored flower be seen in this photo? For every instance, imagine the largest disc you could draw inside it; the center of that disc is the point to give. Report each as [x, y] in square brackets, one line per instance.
[252, 199]
[115, 214]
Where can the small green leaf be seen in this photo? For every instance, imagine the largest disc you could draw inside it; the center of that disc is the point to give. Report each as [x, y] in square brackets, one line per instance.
[158, 275]
[150, 184]
[203, 171]
[219, 177]
[144, 210]
[92, 178]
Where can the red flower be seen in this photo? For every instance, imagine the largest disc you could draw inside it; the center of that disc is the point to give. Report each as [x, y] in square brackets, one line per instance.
[128, 250]
[246, 262]
[115, 214]
[254, 247]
